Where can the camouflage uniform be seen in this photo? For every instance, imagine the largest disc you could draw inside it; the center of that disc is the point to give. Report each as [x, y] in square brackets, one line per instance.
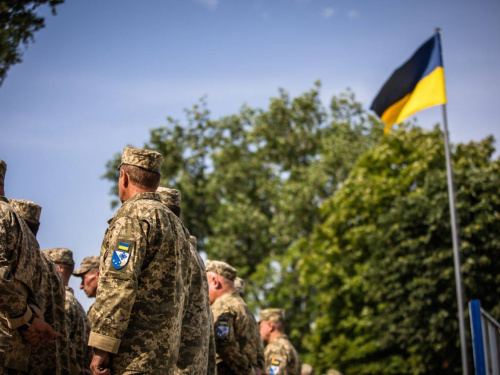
[236, 332]
[195, 332]
[77, 322]
[281, 356]
[307, 369]
[143, 271]
[58, 358]
[20, 280]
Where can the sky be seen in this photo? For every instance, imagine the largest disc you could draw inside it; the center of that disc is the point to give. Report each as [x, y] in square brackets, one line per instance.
[103, 73]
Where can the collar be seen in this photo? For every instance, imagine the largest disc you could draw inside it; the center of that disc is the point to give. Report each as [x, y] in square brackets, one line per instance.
[69, 289]
[154, 196]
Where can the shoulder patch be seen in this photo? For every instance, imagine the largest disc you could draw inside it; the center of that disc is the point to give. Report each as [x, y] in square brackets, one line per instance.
[275, 366]
[222, 329]
[120, 259]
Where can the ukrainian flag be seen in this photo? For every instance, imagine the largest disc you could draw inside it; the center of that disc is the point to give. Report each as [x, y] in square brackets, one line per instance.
[416, 85]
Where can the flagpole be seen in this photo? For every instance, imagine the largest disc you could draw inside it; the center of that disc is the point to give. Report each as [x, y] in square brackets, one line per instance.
[454, 235]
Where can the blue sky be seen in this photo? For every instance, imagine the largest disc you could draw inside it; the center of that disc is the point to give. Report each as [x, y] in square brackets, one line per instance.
[102, 73]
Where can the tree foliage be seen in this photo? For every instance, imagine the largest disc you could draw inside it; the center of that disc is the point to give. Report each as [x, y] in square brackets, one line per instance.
[252, 182]
[18, 24]
[380, 265]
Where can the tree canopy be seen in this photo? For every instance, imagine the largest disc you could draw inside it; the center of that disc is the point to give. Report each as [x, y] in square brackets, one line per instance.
[18, 24]
[345, 228]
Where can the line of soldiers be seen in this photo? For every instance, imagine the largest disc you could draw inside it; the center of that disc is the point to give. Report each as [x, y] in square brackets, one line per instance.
[158, 310]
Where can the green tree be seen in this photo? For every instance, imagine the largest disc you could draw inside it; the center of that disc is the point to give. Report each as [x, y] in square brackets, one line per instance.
[18, 24]
[252, 182]
[378, 270]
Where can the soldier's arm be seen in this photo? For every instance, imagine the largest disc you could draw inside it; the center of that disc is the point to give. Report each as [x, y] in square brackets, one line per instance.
[119, 271]
[276, 361]
[227, 346]
[13, 303]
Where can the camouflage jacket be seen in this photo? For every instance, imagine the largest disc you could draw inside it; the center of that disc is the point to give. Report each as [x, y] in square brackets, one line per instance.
[20, 281]
[60, 357]
[281, 357]
[237, 337]
[144, 270]
[212, 355]
[78, 329]
[195, 333]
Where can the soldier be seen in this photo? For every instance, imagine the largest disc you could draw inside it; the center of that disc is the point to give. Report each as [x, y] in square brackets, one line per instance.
[195, 333]
[307, 369]
[281, 356]
[239, 287]
[77, 321]
[333, 372]
[20, 280]
[236, 333]
[60, 357]
[145, 257]
[89, 272]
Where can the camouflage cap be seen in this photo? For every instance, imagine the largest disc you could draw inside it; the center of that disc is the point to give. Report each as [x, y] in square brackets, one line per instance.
[276, 315]
[26, 209]
[60, 255]
[145, 159]
[221, 268]
[170, 197]
[3, 169]
[239, 286]
[88, 263]
[307, 369]
[193, 242]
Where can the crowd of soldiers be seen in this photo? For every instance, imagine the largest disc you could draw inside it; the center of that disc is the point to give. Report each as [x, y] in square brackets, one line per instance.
[159, 309]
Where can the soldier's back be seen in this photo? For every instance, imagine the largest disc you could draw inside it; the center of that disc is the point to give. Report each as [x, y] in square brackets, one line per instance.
[236, 335]
[147, 288]
[78, 326]
[281, 357]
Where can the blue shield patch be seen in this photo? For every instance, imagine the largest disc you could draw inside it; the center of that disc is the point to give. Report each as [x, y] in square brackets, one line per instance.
[120, 259]
[222, 329]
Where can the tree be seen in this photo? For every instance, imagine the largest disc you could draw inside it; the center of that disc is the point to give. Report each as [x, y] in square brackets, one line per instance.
[18, 23]
[252, 182]
[379, 268]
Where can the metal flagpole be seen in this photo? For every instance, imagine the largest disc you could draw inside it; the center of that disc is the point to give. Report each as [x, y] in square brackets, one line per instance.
[454, 235]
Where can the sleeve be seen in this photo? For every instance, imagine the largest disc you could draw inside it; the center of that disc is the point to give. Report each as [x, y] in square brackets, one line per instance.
[276, 362]
[14, 294]
[120, 267]
[228, 348]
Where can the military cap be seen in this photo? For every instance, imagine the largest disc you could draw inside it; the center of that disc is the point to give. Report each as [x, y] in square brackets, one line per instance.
[239, 286]
[193, 242]
[88, 263]
[60, 255]
[146, 159]
[26, 209]
[170, 197]
[222, 269]
[276, 315]
[3, 169]
[307, 369]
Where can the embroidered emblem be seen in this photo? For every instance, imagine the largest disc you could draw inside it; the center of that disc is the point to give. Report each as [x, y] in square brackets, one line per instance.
[275, 366]
[120, 259]
[123, 246]
[222, 329]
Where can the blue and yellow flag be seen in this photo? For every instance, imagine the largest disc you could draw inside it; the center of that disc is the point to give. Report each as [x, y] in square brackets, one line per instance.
[418, 84]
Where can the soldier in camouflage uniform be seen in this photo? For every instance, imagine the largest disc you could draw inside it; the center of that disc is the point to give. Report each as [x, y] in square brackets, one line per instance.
[236, 332]
[89, 272]
[195, 333]
[239, 286]
[281, 356]
[20, 280]
[59, 358]
[77, 322]
[137, 316]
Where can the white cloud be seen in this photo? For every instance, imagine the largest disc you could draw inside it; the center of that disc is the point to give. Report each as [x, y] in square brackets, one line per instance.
[353, 13]
[327, 12]
[210, 4]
